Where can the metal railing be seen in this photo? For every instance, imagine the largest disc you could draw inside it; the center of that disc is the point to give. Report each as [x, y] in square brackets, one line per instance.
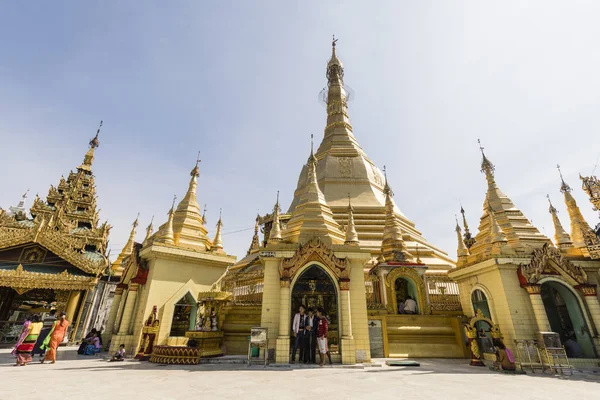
[246, 287]
[443, 293]
[373, 291]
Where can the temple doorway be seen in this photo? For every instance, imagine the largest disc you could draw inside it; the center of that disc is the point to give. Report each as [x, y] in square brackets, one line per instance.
[16, 306]
[405, 287]
[566, 317]
[315, 288]
[184, 316]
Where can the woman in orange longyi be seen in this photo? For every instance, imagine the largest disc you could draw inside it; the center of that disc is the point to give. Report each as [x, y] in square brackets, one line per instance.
[55, 337]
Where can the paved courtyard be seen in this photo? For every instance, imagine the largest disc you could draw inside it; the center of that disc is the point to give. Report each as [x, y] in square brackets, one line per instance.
[79, 377]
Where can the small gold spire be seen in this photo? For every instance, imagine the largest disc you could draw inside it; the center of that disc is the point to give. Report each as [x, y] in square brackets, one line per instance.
[393, 246]
[468, 238]
[462, 252]
[167, 235]
[486, 165]
[386, 187]
[149, 230]
[89, 156]
[218, 241]
[275, 234]
[255, 245]
[563, 187]
[351, 235]
[204, 216]
[562, 238]
[117, 266]
[196, 171]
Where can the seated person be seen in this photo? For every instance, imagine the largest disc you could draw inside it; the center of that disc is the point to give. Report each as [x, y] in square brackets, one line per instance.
[572, 348]
[410, 306]
[85, 340]
[504, 357]
[401, 307]
[119, 355]
[93, 347]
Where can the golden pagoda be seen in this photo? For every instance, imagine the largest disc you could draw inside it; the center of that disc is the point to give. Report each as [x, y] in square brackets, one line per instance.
[162, 277]
[516, 277]
[55, 256]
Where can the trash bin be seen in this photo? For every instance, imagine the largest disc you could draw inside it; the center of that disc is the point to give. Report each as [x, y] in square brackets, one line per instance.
[254, 351]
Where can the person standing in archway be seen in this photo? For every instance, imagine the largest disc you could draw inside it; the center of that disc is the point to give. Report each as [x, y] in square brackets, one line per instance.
[299, 331]
[322, 331]
[56, 336]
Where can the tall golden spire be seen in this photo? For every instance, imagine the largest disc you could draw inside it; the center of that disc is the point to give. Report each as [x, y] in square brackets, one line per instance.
[117, 267]
[275, 234]
[89, 156]
[462, 251]
[218, 241]
[188, 226]
[579, 226]
[393, 247]
[351, 235]
[166, 233]
[149, 231]
[255, 245]
[312, 217]
[521, 235]
[562, 238]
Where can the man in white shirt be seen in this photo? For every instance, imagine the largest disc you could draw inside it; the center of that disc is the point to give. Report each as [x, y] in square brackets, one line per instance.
[410, 306]
[299, 330]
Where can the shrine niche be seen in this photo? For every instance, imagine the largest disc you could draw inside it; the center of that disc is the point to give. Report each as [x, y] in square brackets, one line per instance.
[314, 251]
[548, 261]
[471, 330]
[411, 276]
[33, 255]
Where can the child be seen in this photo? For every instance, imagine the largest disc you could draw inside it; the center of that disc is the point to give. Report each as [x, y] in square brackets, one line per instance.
[120, 355]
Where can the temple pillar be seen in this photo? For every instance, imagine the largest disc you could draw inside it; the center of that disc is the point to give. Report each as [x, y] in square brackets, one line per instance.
[128, 310]
[72, 306]
[541, 318]
[112, 315]
[590, 296]
[120, 310]
[358, 310]
[282, 350]
[271, 301]
[347, 342]
[383, 292]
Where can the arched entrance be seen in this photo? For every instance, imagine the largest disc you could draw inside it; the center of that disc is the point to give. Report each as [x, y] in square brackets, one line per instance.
[405, 288]
[566, 317]
[314, 288]
[184, 316]
[483, 326]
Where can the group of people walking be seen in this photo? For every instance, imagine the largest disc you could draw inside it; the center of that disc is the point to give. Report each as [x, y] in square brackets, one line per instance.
[40, 338]
[310, 332]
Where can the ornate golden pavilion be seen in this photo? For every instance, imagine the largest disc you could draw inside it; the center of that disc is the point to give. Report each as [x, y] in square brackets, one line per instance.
[53, 255]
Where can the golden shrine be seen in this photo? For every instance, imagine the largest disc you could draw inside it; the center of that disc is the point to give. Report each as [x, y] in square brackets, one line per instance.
[54, 255]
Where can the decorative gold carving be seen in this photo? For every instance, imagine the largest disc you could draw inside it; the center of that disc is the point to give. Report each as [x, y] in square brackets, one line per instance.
[592, 242]
[587, 290]
[284, 282]
[345, 284]
[412, 274]
[533, 289]
[591, 185]
[62, 298]
[552, 257]
[33, 255]
[314, 250]
[345, 166]
[376, 175]
[471, 332]
[19, 278]
[339, 124]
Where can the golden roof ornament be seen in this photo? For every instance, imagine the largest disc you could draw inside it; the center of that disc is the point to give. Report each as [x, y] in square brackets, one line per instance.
[462, 251]
[579, 226]
[486, 165]
[469, 240]
[393, 246]
[218, 241]
[167, 235]
[117, 266]
[204, 216]
[89, 156]
[564, 187]
[275, 234]
[562, 238]
[351, 235]
[255, 245]
[591, 186]
[196, 171]
[149, 231]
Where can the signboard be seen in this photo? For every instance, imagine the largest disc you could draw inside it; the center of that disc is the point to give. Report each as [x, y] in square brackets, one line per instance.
[267, 254]
[258, 335]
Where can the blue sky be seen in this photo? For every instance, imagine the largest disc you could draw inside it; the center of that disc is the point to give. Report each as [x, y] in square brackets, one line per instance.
[239, 81]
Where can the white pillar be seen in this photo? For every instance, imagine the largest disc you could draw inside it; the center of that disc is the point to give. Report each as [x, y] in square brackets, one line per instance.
[282, 350]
